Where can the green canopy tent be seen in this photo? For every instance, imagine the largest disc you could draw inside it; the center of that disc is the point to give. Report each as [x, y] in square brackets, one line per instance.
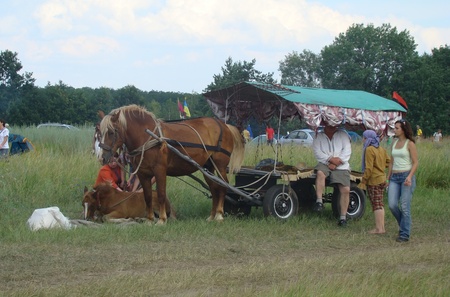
[242, 101]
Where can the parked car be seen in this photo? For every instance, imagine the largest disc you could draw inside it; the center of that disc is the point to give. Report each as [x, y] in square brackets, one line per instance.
[302, 137]
[57, 125]
[262, 139]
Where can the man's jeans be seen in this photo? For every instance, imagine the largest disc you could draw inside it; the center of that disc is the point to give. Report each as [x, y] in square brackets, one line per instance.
[399, 199]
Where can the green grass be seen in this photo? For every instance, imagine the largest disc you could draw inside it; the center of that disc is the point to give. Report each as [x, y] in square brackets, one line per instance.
[255, 256]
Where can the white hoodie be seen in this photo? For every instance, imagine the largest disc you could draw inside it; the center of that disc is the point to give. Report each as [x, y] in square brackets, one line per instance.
[339, 146]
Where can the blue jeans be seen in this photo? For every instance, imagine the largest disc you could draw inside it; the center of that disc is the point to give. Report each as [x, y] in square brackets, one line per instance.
[399, 199]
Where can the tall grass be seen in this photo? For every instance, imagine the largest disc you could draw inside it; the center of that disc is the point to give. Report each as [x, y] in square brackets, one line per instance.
[305, 256]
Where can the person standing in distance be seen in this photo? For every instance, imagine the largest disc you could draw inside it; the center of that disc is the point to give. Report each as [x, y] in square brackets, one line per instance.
[4, 136]
[419, 133]
[269, 134]
[437, 136]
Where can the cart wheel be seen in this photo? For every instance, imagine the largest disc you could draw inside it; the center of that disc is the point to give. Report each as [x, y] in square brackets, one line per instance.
[281, 202]
[357, 203]
[236, 210]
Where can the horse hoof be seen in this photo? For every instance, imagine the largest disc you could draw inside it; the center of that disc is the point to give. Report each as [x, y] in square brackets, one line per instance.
[219, 218]
[160, 222]
[210, 219]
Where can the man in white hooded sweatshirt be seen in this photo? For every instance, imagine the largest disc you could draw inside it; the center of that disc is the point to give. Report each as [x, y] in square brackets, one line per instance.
[332, 150]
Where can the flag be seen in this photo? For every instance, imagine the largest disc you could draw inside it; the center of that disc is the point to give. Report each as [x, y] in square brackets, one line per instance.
[399, 100]
[180, 109]
[186, 109]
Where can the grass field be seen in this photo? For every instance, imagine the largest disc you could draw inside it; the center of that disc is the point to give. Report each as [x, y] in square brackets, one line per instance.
[254, 256]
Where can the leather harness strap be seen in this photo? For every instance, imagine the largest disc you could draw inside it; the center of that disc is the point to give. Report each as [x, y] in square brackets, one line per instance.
[198, 145]
[154, 142]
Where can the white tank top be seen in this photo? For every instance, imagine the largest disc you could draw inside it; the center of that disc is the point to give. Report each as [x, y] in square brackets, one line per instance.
[402, 158]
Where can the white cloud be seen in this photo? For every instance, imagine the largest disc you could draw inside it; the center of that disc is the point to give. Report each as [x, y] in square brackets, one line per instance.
[429, 38]
[85, 46]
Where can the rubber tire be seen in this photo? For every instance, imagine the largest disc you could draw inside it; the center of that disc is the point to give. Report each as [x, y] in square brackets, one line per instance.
[281, 202]
[357, 203]
[236, 210]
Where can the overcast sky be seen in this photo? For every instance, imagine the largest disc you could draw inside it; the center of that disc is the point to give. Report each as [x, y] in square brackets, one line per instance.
[178, 45]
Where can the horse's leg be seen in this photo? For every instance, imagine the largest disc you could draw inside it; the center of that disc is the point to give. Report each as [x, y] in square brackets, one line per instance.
[161, 182]
[221, 192]
[218, 195]
[147, 187]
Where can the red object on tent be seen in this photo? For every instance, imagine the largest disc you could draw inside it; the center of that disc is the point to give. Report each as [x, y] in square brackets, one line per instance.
[399, 99]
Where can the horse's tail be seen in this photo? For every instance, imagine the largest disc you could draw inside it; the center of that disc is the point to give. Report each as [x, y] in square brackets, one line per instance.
[237, 155]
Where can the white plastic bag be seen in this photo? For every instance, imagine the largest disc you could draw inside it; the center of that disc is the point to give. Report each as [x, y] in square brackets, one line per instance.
[47, 218]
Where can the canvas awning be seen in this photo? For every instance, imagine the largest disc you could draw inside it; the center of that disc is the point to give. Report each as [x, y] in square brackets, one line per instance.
[242, 101]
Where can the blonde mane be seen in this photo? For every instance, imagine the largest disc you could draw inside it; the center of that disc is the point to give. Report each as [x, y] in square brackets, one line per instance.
[106, 124]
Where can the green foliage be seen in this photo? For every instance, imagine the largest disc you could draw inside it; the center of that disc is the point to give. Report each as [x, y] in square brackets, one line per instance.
[366, 58]
[426, 88]
[12, 83]
[301, 69]
[236, 72]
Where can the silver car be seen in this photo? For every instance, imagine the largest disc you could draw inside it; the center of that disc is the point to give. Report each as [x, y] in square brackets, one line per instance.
[57, 125]
[303, 137]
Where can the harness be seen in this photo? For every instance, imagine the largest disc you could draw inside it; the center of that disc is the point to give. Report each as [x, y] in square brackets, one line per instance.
[154, 142]
[217, 148]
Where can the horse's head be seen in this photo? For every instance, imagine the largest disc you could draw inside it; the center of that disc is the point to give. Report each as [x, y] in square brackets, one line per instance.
[90, 204]
[112, 135]
[125, 125]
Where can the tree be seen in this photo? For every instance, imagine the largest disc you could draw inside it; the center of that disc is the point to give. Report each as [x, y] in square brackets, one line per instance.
[129, 95]
[236, 72]
[366, 58]
[301, 69]
[11, 81]
[426, 88]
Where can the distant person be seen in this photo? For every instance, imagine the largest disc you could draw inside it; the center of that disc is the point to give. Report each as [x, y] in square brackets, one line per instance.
[419, 133]
[96, 150]
[111, 173]
[269, 134]
[402, 181]
[375, 160]
[437, 136]
[246, 135]
[332, 149]
[4, 136]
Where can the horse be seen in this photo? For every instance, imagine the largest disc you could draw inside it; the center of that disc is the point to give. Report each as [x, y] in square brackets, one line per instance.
[209, 142]
[109, 204]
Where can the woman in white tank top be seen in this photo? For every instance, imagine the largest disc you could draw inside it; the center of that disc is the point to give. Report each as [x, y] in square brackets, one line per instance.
[401, 178]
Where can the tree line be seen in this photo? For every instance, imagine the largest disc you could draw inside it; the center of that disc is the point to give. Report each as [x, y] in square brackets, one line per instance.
[378, 60]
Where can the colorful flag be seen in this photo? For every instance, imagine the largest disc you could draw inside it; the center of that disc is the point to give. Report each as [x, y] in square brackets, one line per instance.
[399, 100]
[186, 109]
[180, 109]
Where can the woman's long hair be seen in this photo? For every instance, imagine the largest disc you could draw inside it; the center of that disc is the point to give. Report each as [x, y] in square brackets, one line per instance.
[407, 129]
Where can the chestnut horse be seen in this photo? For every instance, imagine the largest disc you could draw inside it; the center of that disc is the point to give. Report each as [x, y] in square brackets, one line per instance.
[209, 142]
[109, 204]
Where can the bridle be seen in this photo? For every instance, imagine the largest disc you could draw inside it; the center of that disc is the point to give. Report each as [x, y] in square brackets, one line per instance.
[109, 149]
